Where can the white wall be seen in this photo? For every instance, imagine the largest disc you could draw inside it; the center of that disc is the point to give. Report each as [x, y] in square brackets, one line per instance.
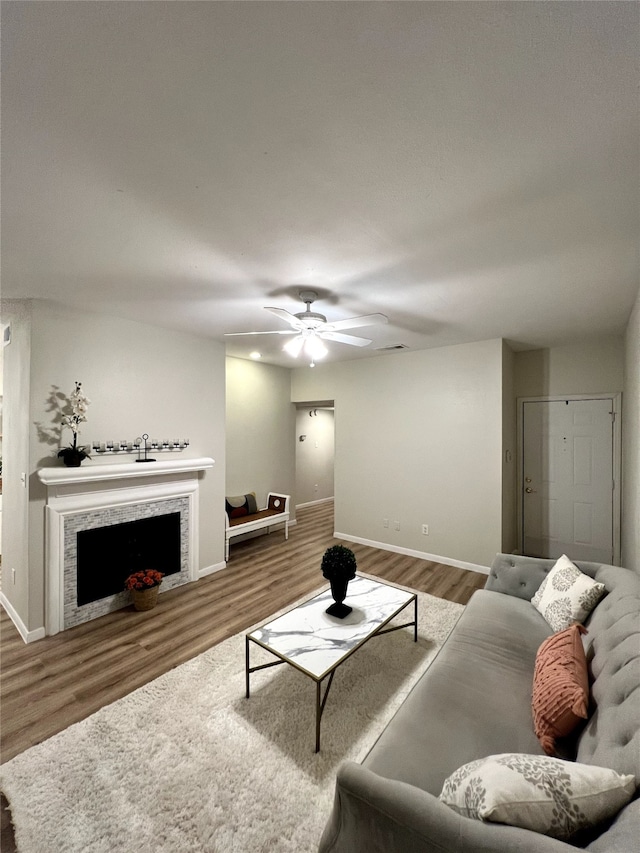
[509, 454]
[260, 430]
[315, 455]
[592, 367]
[1, 382]
[418, 440]
[15, 447]
[140, 379]
[631, 444]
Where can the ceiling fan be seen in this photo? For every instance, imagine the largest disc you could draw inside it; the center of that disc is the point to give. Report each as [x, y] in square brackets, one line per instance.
[311, 328]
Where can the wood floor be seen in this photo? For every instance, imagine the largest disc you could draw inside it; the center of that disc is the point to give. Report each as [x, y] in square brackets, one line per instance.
[52, 683]
[48, 685]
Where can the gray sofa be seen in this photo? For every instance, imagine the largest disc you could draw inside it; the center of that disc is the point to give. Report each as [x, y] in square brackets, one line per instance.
[475, 701]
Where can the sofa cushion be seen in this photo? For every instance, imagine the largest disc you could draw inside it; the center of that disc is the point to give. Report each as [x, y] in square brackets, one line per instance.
[539, 793]
[237, 506]
[566, 595]
[560, 697]
[474, 700]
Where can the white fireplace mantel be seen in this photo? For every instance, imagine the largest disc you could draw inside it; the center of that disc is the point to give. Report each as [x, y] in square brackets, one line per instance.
[97, 487]
[121, 471]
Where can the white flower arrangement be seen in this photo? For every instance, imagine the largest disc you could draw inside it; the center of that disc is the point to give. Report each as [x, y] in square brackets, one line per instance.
[79, 404]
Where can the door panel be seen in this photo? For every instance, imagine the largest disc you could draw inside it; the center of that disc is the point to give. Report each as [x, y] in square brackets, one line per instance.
[582, 460]
[550, 519]
[567, 501]
[583, 523]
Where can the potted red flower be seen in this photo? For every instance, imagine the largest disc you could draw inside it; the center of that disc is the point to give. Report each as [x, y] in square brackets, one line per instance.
[144, 586]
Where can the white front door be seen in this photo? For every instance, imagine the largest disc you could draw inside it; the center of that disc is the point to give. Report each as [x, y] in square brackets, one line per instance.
[568, 479]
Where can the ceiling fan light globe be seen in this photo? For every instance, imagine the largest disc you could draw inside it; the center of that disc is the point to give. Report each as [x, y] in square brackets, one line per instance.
[294, 346]
[314, 348]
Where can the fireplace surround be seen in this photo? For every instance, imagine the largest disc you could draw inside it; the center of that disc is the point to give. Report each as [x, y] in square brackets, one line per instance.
[95, 497]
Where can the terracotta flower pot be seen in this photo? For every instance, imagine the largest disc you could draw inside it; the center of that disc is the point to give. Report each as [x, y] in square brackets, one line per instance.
[145, 599]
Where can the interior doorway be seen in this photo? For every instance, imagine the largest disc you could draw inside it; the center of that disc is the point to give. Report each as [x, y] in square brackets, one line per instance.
[569, 477]
[315, 452]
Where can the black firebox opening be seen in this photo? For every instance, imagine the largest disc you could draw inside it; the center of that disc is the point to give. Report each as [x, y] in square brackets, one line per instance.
[108, 555]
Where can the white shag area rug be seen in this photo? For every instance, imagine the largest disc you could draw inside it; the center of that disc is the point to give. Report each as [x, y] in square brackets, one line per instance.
[186, 763]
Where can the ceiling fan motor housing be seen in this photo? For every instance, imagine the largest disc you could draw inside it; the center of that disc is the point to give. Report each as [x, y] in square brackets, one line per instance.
[311, 319]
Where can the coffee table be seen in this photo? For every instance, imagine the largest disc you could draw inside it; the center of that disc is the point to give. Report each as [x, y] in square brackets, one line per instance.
[315, 643]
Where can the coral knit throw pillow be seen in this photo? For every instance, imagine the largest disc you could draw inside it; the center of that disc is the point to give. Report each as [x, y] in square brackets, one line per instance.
[560, 687]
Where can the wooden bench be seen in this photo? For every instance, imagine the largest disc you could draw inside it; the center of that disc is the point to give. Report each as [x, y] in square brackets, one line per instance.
[275, 512]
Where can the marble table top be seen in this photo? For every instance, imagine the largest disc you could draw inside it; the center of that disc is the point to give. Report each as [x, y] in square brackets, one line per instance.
[311, 640]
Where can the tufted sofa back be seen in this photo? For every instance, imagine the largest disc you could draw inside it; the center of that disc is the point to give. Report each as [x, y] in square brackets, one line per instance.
[611, 737]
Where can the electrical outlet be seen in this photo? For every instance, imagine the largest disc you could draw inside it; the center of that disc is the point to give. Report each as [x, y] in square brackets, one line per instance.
[385, 522]
[396, 525]
[425, 529]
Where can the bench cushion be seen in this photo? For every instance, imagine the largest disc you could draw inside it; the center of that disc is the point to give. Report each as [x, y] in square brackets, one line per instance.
[255, 516]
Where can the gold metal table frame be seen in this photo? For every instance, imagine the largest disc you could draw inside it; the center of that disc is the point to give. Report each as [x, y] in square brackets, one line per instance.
[329, 672]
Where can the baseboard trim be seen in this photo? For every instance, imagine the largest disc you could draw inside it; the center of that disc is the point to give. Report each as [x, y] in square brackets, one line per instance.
[409, 552]
[211, 570]
[314, 503]
[27, 636]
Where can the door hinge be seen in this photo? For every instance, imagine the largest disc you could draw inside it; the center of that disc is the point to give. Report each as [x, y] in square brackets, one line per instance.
[613, 415]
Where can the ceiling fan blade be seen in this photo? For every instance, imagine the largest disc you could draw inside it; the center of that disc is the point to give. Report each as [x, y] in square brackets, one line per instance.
[279, 332]
[352, 340]
[286, 316]
[355, 322]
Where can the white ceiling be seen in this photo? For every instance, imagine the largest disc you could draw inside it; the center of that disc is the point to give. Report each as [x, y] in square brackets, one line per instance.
[468, 169]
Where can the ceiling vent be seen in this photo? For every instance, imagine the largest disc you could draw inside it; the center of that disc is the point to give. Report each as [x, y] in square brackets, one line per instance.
[392, 347]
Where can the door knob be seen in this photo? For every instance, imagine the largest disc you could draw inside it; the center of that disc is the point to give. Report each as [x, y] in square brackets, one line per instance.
[529, 490]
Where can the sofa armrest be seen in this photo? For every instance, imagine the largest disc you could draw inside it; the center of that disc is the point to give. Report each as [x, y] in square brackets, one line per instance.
[372, 814]
[515, 575]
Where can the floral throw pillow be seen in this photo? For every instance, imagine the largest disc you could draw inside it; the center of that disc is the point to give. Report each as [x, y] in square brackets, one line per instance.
[537, 792]
[566, 595]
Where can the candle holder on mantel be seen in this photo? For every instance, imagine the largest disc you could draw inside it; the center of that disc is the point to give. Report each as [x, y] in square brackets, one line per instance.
[139, 445]
[145, 438]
